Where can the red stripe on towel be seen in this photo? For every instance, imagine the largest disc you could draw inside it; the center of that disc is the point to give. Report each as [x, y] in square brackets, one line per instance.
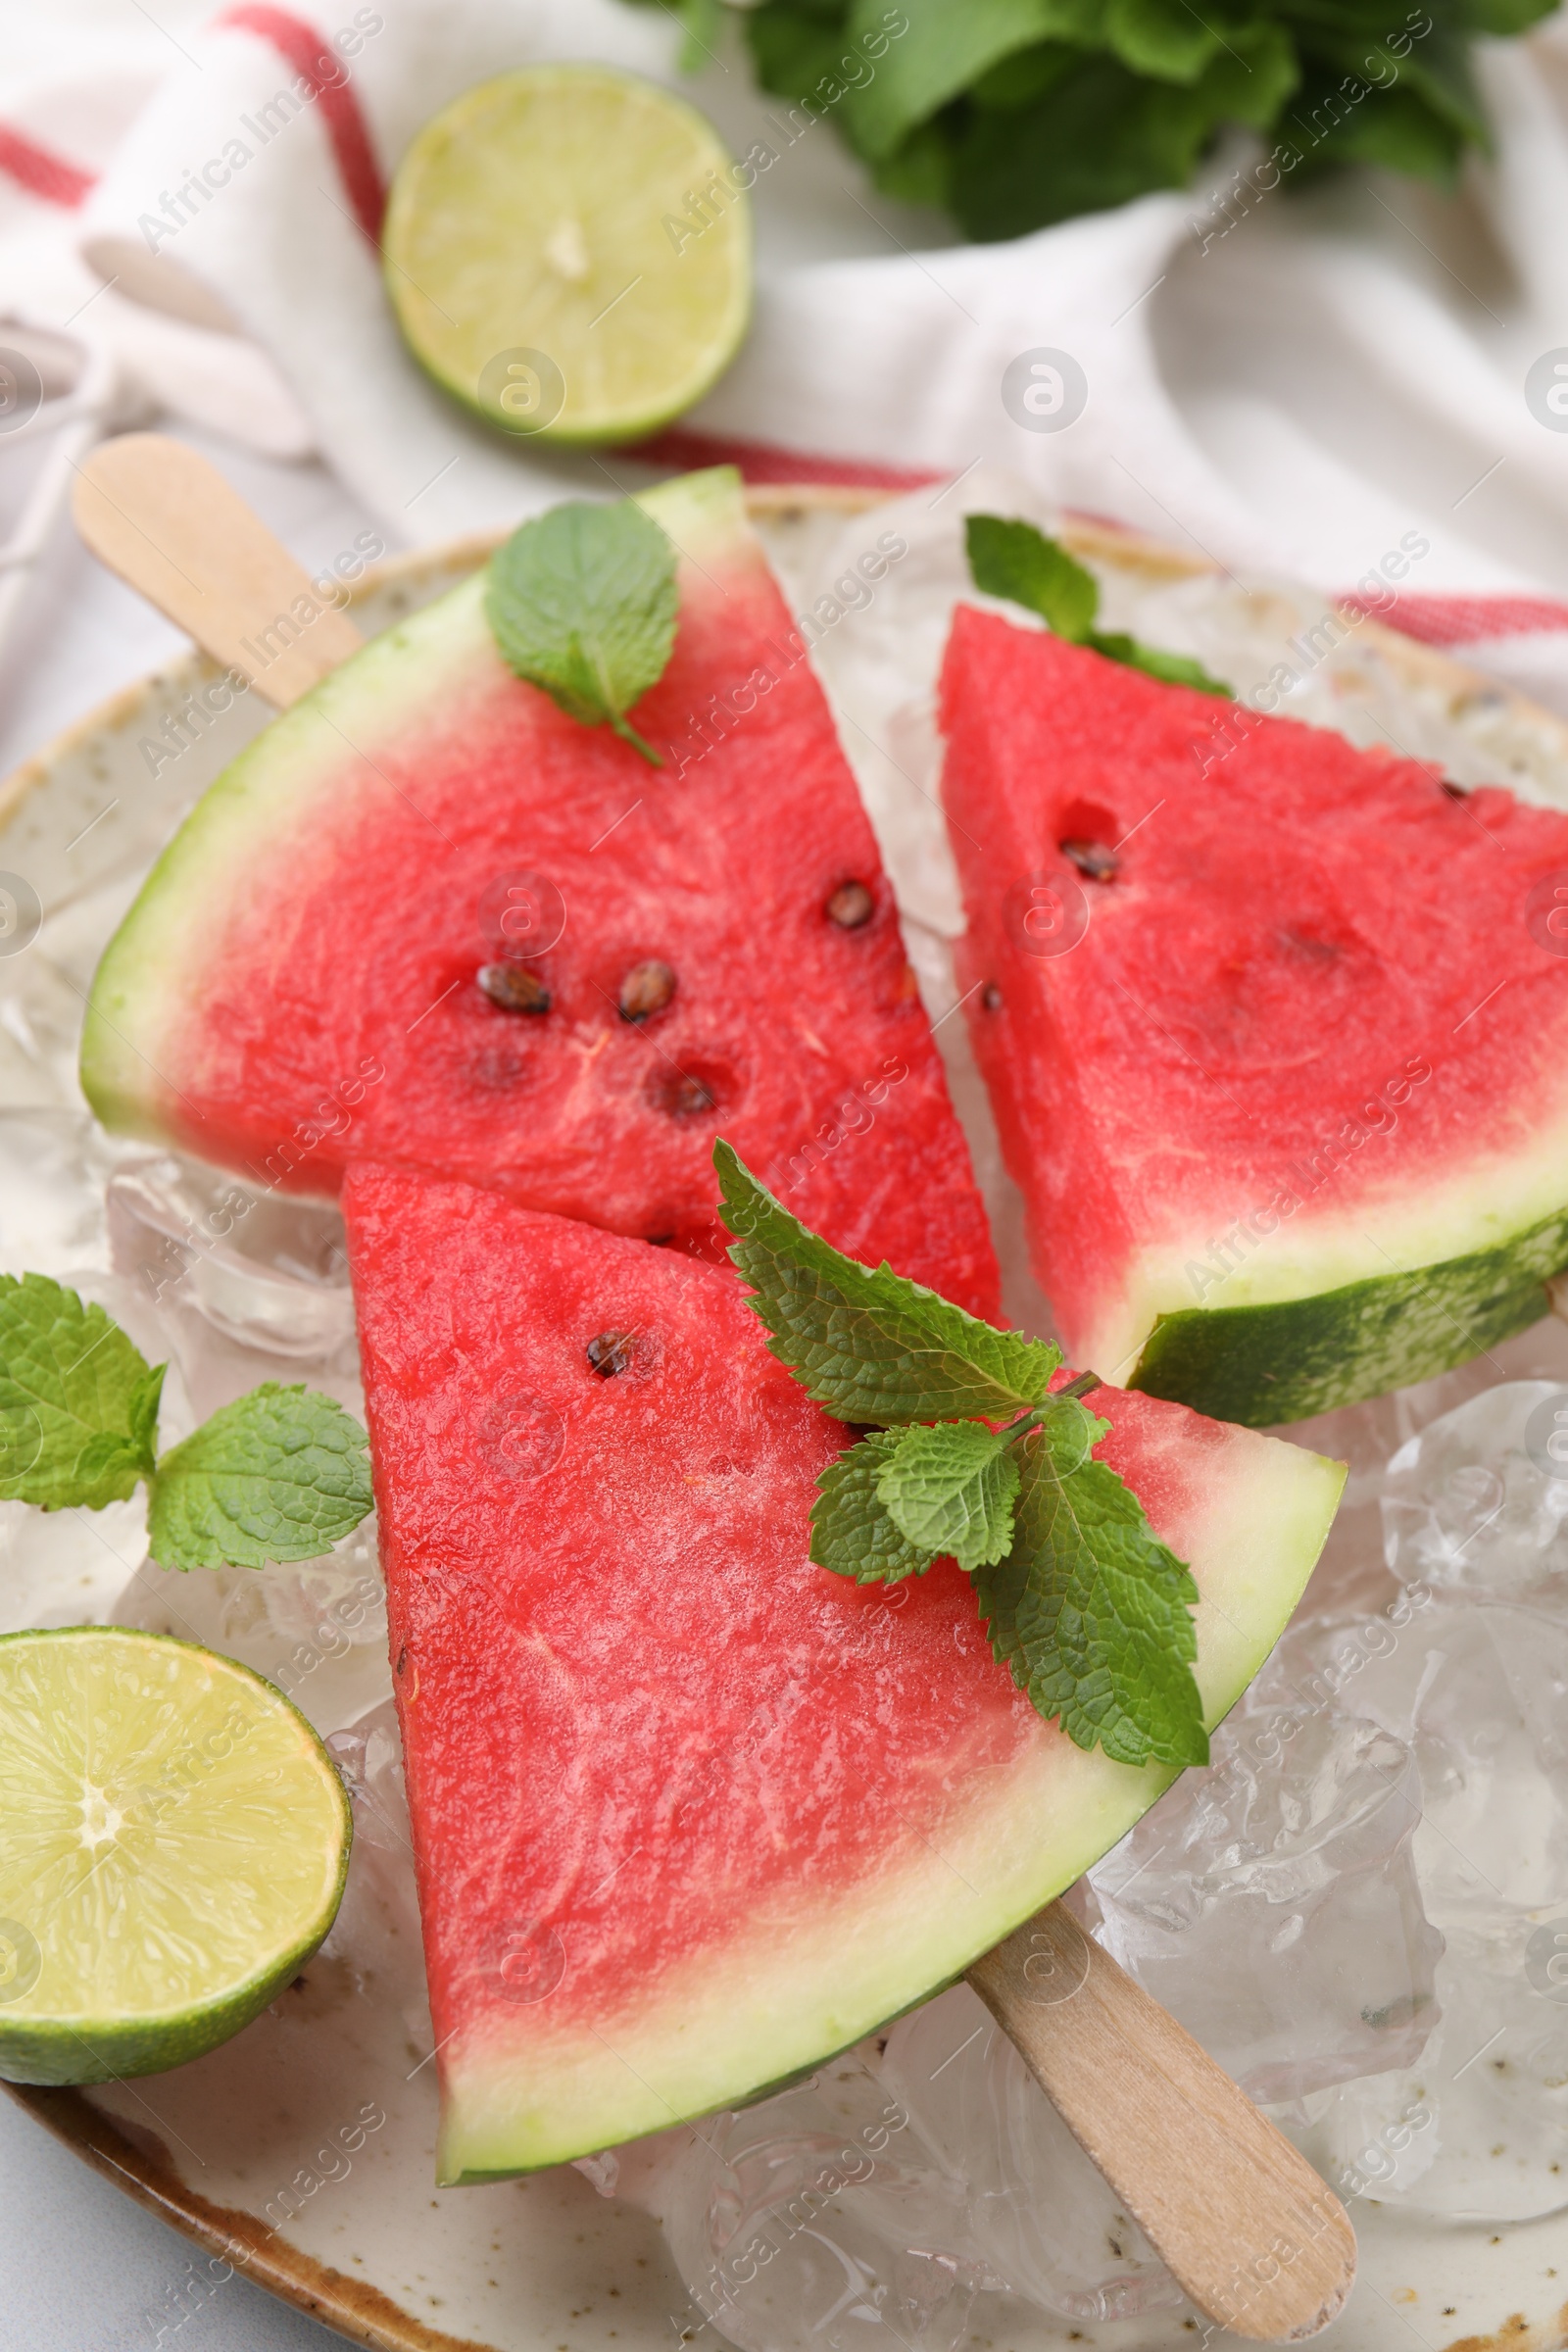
[323, 69]
[41, 173]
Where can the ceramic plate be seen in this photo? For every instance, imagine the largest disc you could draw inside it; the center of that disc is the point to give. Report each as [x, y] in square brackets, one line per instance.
[302, 2153]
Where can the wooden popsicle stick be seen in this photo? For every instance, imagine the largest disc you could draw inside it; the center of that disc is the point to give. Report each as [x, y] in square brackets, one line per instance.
[1241, 2221]
[168, 523]
[1239, 2217]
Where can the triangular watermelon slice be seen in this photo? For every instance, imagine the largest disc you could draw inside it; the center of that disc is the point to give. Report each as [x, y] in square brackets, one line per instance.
[298, 984]
[1276, 1031]
[689, 1813]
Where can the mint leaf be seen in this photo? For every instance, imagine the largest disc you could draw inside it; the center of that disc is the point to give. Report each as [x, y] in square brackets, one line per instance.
[78, 1403]
[950, 1489]
[1161, 37]
[1028, 74]
[705, 29]
[278, 1475]
[795, 50]
[1070, 1432]
[582, 603]
[144, 1403]
[1092, 1611]
[1098, 135]
[872, 1347]
[1258, 72]
[942, 50]
[851, 1529]
[1176, 670]
[1014, 559]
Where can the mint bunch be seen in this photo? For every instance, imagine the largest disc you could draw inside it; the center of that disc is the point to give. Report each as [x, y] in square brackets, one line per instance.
[1010, 115]
[979, 1460]
[582, 602]
[1016, 561]
[278, 1475]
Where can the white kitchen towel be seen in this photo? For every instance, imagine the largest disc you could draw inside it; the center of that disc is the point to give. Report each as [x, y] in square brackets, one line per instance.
[1292, 384]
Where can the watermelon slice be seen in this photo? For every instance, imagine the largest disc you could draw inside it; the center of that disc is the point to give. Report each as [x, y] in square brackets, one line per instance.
[1291, 1115]
[298, 984]
[689, 1813]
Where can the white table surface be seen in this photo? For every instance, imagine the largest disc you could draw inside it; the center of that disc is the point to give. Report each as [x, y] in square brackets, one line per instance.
[82, 2268]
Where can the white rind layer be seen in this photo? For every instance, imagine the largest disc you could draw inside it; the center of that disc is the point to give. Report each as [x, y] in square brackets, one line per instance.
[1490, 1204]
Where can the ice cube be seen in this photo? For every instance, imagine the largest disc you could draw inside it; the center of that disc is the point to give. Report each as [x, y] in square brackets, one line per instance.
[376, 1933]
[1480, 1690]
[1354, 1572]
[640, 2172]
[52, 1169]
[248, 1286]
[1271, 1902]
[891, 2191]
[368, 1753]
[1038, 2218]
[817, 2218]
[317, 1629]
[1477, 1503]
[1476, 2127]
[40, 1036]
[68, 1567]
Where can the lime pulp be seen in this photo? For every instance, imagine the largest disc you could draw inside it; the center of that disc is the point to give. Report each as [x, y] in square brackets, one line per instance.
[569, 251]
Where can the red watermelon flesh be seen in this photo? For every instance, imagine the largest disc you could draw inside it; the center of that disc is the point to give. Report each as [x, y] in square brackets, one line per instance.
[298, 984]
[1290, 1117]
[689, 1812]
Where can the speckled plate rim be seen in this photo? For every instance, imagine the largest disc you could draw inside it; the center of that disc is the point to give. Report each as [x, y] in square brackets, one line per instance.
[358, 2309]
[1109, 544]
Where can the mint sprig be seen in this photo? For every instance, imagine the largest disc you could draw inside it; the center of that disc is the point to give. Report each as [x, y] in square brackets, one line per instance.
[1013, 560]
[1014, 113]
[582, 602]
[278, 1475]
[1081, 1601]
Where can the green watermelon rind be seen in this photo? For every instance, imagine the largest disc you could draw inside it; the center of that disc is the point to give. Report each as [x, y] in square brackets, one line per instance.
[786, 1996]
[1270, 1364]
[148, 981]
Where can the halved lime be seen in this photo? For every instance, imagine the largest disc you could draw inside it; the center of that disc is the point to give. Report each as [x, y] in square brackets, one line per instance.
[174, 1842]
[568, 250]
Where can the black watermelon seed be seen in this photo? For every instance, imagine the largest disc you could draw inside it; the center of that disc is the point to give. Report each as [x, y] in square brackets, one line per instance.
[851, 905]
[646, 989]
[991, 997]
[687, 1098]
[1455, 791]
[514, 988]
[609, 1352]
[1093, 859]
